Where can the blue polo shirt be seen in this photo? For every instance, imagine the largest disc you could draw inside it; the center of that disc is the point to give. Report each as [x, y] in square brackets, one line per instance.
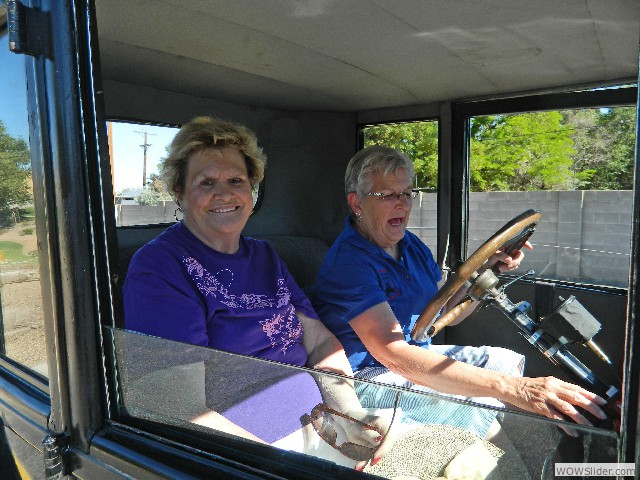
[357, 275]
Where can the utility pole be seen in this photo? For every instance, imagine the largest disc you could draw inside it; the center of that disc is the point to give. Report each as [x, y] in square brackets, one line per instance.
[145, 146]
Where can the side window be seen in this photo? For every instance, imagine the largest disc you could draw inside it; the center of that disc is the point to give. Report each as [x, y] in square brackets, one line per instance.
[292, 409]
[576, 166]
[21, 313]
[137, 152]
[419, 140]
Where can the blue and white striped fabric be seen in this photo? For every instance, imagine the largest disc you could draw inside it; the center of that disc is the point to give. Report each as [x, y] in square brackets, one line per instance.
[434, 409]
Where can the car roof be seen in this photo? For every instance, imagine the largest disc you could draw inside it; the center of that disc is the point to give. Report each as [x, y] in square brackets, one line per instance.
[356, 55]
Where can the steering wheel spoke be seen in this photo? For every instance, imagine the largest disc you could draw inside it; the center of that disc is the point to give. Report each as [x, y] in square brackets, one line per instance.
[428, 324]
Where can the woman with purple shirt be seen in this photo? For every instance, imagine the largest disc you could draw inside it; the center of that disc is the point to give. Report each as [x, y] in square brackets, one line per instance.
[201, 282]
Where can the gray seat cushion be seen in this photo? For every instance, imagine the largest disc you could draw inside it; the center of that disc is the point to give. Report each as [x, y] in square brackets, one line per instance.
[302, 255]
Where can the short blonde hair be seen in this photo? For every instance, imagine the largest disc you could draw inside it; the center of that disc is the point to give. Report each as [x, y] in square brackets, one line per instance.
[206, 132]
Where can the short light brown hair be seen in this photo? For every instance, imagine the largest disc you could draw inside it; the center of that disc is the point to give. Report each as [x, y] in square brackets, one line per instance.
[207, 132]
[369, 160]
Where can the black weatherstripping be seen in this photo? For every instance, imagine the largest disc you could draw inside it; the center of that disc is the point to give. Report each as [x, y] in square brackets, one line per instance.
[141, 447]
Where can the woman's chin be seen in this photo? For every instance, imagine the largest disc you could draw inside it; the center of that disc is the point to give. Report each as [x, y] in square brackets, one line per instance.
[396, 228]
[395, 235]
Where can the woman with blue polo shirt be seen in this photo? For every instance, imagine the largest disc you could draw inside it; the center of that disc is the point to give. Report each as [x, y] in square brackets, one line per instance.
[377, 278]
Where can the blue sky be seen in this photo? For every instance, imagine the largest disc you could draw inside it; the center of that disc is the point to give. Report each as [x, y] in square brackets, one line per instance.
[13, 92]
[127, 139]
[128, 154]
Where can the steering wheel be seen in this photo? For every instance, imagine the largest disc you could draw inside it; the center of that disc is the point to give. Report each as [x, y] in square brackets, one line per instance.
[424, 327]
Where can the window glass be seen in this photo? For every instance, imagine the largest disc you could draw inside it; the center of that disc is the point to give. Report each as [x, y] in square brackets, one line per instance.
[179, 384]
[21, 317]
[137, 152]
[576, 167]
[419, 140]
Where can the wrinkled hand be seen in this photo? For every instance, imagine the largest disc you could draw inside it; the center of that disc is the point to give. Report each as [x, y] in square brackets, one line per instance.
[382, 438]
[506, 263]
[557, 399]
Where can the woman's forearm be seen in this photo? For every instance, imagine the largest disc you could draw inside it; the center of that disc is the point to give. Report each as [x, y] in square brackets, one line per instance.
[446, 375]
[324, 352]
[214, 420]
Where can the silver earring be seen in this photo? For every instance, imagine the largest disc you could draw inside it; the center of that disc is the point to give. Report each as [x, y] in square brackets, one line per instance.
[175, 213]
[359, 217]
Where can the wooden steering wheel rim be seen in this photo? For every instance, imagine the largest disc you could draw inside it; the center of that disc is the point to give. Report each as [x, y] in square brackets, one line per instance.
[464, 272]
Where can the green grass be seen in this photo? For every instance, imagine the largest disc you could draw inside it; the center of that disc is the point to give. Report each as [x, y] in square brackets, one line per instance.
[11, 252]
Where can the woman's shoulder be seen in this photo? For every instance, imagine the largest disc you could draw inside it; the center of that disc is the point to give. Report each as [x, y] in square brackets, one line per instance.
[163, 250]
[346, 263]
[346, 251]
[256, 246]
[258, 252]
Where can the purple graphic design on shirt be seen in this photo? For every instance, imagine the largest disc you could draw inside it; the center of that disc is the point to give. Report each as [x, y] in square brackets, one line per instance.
[283, 294]
[283, 328]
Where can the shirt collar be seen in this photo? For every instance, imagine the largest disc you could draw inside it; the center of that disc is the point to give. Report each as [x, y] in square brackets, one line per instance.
[355, 238]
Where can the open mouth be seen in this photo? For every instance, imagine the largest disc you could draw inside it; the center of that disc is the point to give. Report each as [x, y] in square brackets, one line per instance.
[396, 222]
[224, 209]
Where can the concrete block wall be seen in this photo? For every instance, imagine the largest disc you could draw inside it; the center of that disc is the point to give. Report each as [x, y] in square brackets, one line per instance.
[163, 212]
[584, 236]
[424, 219]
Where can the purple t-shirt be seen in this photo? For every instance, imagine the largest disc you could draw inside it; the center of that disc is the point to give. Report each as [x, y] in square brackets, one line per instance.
[179, 288]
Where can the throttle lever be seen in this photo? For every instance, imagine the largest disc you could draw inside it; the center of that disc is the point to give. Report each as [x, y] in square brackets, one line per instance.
[528, 272]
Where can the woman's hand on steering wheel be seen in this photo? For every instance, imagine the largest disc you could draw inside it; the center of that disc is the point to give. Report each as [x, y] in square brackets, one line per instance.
[505, 262]
[478, 261]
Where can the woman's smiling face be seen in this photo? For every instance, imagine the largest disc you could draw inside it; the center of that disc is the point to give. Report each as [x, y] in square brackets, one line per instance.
[384, 221]
[217, 200]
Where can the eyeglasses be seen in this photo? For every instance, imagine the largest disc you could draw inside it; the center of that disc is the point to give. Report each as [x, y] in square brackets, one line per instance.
[388, 197]
[319, 418]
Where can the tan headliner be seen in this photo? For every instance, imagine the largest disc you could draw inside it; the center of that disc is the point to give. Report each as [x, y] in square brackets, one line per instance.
[353, 55]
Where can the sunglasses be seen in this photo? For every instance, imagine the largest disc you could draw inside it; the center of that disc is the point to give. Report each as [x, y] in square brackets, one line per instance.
[319, 418]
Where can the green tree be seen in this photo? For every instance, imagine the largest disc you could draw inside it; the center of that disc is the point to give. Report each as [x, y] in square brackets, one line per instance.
[528, 151]
[588, 155]
[15, 167]
[154, 191]
[419, 140]
[614, 143]
[605, 143]
[555, 150]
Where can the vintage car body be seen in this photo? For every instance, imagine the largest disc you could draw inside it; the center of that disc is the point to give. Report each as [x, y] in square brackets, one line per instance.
[306, 77]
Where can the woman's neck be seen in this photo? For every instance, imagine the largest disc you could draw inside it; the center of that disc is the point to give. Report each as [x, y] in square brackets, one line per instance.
[222, 244]
[393, 249]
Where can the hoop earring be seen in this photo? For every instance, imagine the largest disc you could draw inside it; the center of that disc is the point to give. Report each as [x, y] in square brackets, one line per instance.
[175, 214]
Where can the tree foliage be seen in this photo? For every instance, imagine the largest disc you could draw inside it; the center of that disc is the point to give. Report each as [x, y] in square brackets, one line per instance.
[154, 191]
[586, 149]
[530, 151]
[419, 140]
[15, 167]
[606, 142]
